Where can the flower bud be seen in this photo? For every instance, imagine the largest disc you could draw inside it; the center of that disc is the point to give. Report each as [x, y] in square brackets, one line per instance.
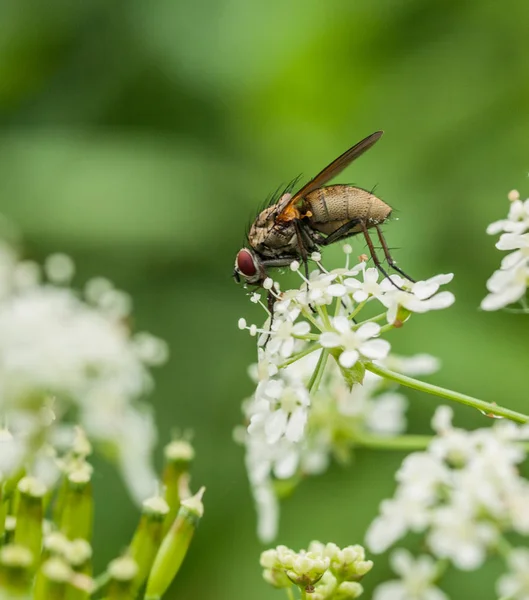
[349, 564]
[78, 554]
[122, 574]
[178, 456]
[15, 572]
[348, 590]
[76, 516]
[148, 536]
[55, 544]
[28, 529]
[174, 546]
[307, 569]
[53, 579]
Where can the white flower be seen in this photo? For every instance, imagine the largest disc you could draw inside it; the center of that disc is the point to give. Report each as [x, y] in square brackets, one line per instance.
[514, 585]
[464, 492]
[386, 413]
[517, 220]
[397, 516]
[280, 409]
[509, 284]
[417, 365]
[355, 344]
[321, 289]
[283, 336]
[55, 346]
[458, 535]
[506, 287]
[417, 579]
[419, 297]
[369, 287]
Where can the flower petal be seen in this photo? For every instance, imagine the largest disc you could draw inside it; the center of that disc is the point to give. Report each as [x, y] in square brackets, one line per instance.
[329, 339]
[348, 358]
[375, 349]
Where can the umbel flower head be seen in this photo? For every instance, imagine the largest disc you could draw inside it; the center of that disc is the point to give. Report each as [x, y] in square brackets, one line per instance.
[313, 397]
[462, 494]
[64, 353]
[324, 571]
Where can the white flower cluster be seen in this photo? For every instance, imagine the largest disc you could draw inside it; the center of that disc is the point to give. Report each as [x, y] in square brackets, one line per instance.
[64, 355]
[417, 579]
[464, 493]
[305, 408]
[509, 283]
[324, 571]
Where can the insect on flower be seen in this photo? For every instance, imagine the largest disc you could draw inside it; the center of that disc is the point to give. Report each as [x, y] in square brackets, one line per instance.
[315, 216]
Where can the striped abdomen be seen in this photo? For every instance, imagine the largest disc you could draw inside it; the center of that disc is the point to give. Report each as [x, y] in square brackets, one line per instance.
[336, 205]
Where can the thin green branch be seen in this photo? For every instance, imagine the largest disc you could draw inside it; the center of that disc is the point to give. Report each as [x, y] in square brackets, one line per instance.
[488, 408]
[392, 442]
[299, 355]
[318, 372]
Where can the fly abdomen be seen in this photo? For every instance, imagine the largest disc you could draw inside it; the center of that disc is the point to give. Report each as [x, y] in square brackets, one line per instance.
[336, 205]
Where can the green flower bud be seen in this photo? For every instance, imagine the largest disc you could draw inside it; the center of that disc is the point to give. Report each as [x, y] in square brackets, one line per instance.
[78, 554]
[307, 569]
[174, 546]
[122, 573]
[178, 456]
[15, 572]
[53, 580]
[77, 504]
[10, 525]
[349, 564]
[348, 590]
[148, 536]
[28, 530]
[81, 447]
[55, 544]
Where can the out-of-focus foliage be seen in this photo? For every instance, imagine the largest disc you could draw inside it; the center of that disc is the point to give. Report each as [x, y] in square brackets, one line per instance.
[141, 137]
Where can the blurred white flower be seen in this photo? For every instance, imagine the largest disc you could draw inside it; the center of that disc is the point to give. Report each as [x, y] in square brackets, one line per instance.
[514, 585]
[464, 492]
[65, 360]
[417, 579]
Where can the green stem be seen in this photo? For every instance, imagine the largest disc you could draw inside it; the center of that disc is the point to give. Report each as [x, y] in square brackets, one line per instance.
[393, 442]
[299, 355]
[487, 407]
[358, 308]
[374, 319]
[318, 372]
[315, 380]
[290, 593]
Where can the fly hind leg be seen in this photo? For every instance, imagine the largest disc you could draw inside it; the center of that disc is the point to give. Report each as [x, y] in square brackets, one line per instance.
[345, 231]
[388, 256]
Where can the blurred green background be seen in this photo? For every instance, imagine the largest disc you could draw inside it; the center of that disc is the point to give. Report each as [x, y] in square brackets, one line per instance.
[140, 137]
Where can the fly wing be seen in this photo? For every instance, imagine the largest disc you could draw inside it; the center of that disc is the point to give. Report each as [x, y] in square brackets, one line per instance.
[330, 171]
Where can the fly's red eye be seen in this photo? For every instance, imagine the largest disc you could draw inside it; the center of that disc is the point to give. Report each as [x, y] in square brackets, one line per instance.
[245, 263]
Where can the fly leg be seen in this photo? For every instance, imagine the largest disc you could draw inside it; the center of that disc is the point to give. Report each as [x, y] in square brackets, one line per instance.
[302, 247]
[344, 232]
[388, 256]
[374, 256]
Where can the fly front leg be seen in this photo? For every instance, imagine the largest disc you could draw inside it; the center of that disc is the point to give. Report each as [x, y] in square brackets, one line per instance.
[302, 247]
